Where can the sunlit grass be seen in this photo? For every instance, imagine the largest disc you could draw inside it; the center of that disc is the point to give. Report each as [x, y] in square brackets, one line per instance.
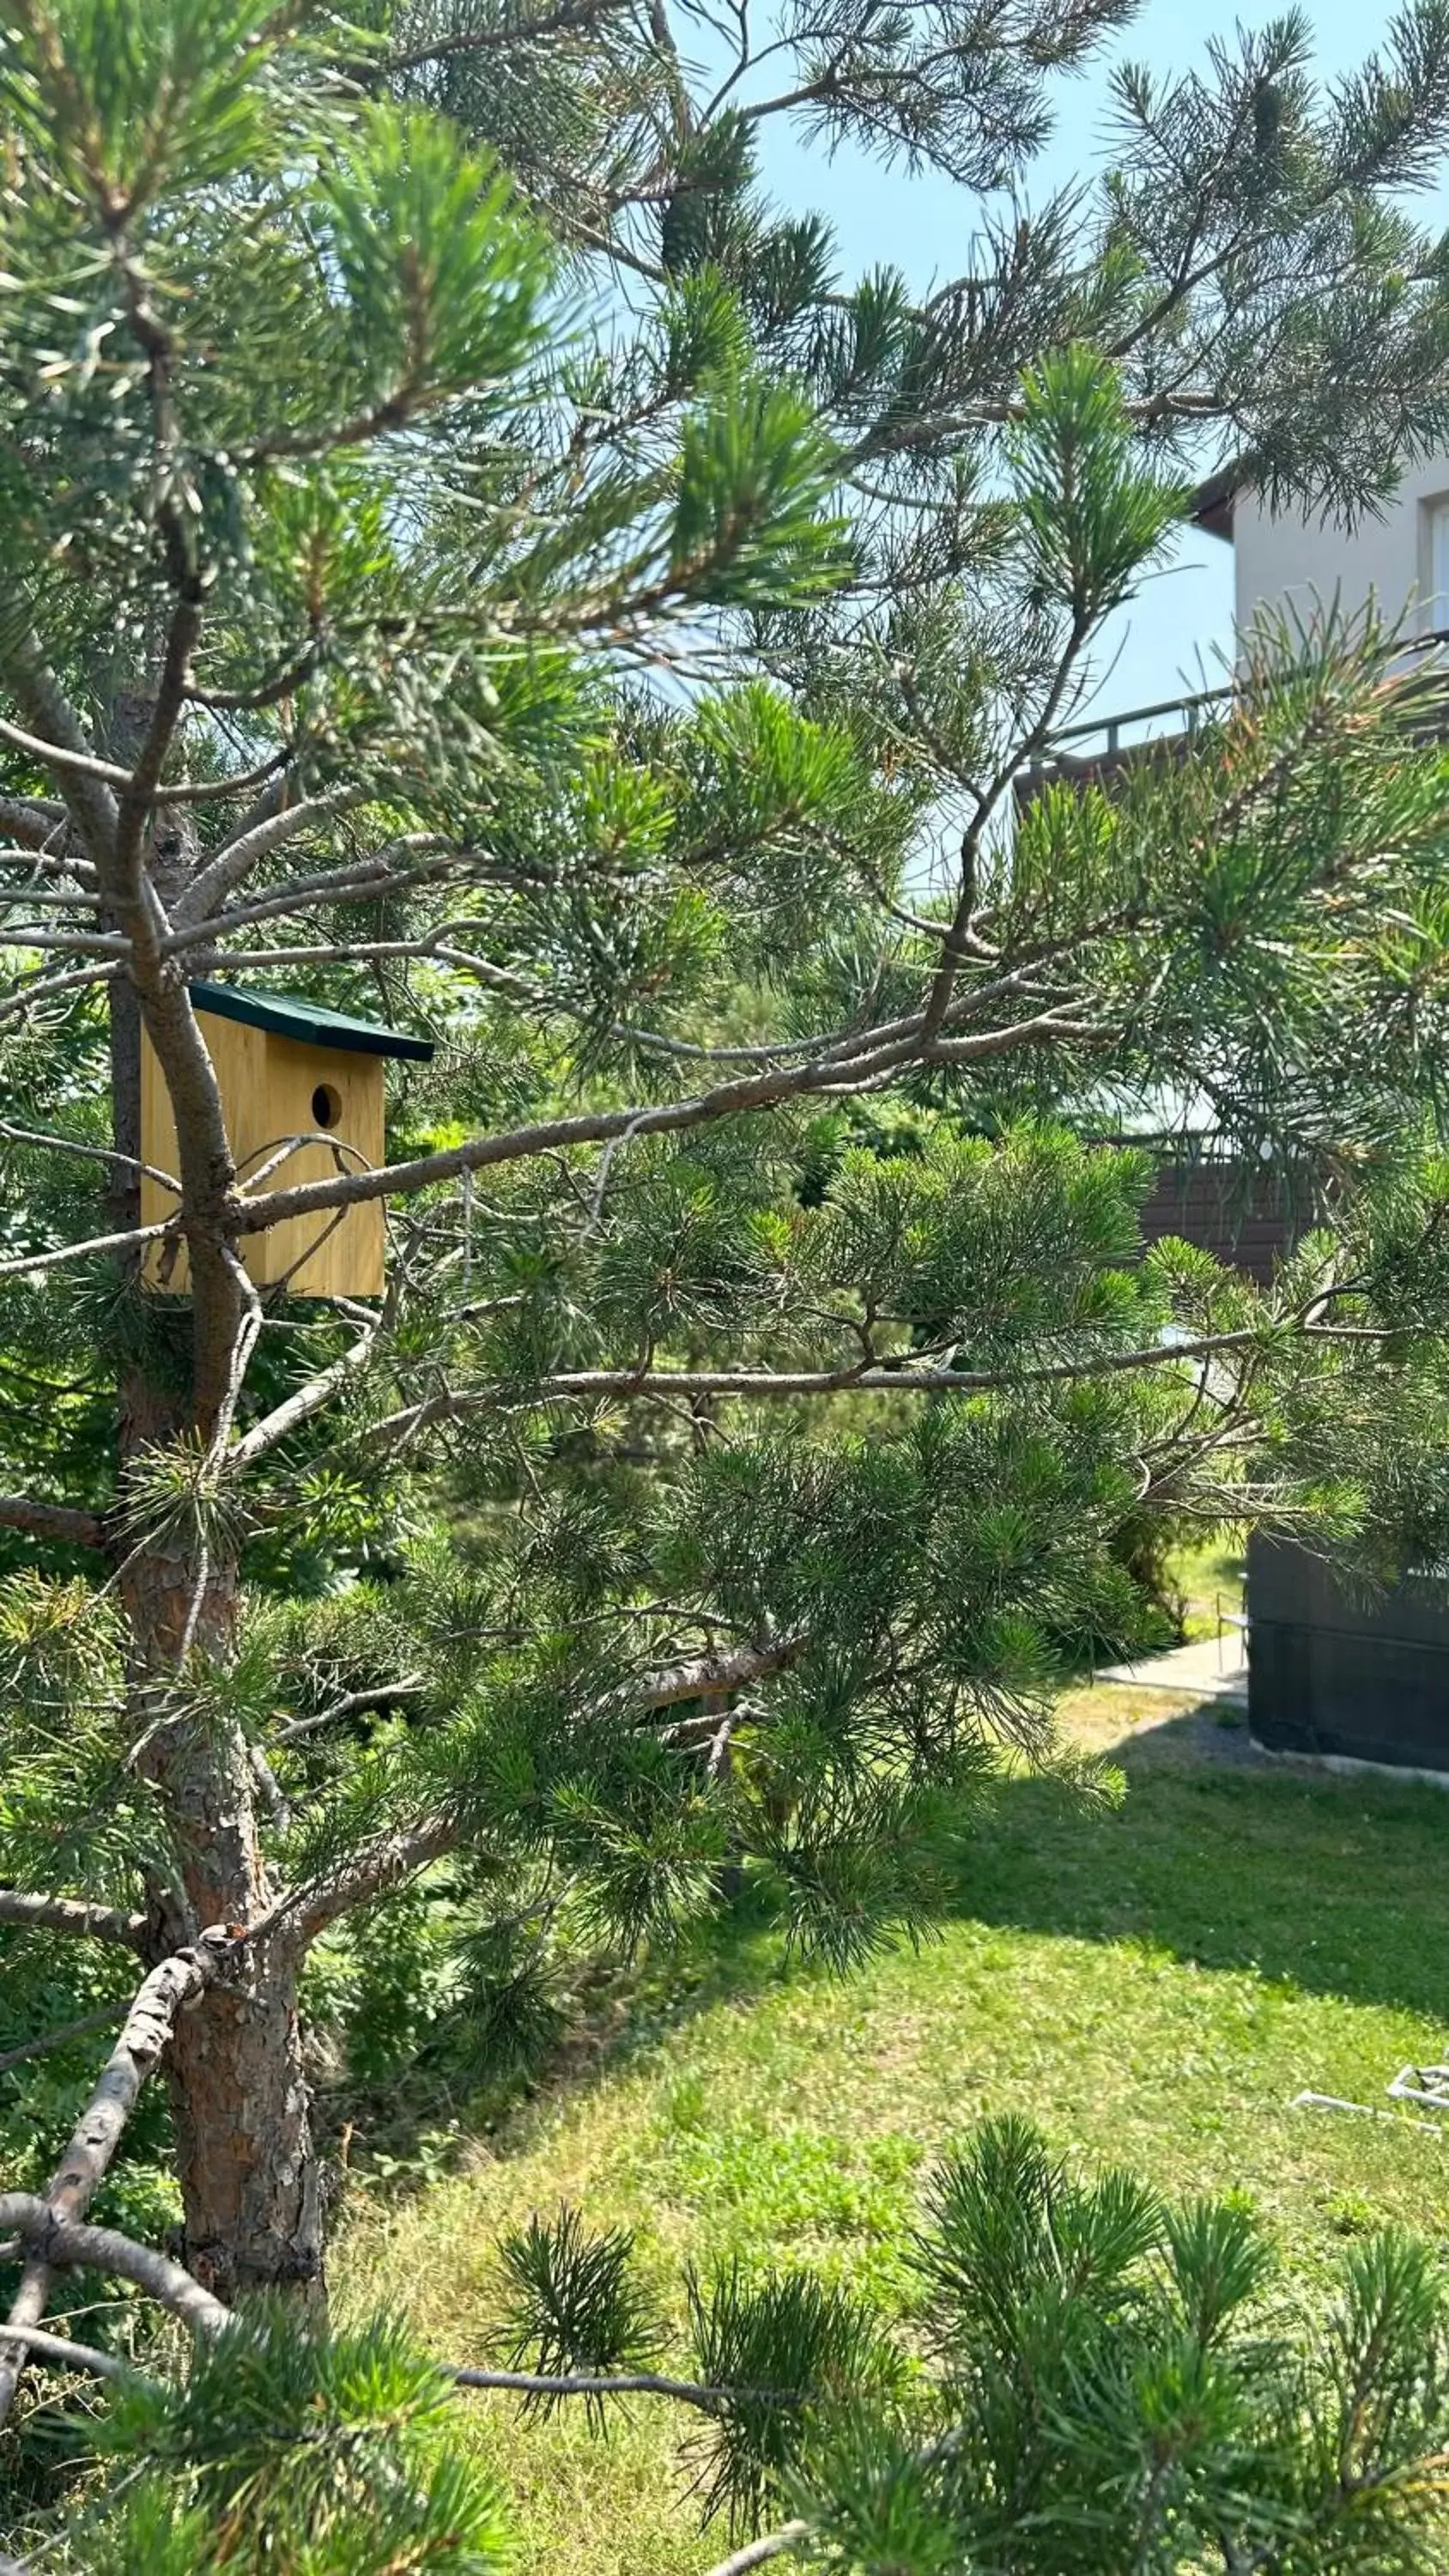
[1152, 1986]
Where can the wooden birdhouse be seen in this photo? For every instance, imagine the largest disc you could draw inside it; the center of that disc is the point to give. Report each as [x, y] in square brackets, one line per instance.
[284, 1068]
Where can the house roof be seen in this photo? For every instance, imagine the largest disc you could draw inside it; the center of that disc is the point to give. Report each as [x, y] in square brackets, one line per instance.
[288, 1015]
[1212, 502]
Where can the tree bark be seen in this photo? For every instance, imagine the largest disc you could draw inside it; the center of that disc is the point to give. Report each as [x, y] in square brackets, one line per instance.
[246, 2162]
[247, 2165]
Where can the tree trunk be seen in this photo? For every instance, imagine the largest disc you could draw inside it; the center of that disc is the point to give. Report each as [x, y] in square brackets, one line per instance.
[248, 2170]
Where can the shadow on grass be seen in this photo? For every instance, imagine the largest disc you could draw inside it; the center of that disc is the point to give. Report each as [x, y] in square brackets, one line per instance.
[1216, 1856]
[1225, 1858]
[412, 2126]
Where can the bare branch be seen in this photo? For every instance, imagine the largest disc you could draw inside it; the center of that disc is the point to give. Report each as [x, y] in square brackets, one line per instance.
[19, 1004]
[765, 1385]
[893, 435]
[512, 32]
[756, 2552]
[253, 842]
[300, 1407]
[266, 693]
[31, 820]
[58, 2243]
[59, 755]
[73, 1914]
[213, 791]
[853, 1063]
[20, 1264]
[383, 1865]
[66, 943]
[90, 1153]
[596, 1127]
[701, 1677]
[626, 2383]
[382, 1695]
[88, 800]
[70, 2355]
[51, 1520]
[395, 1857]
[87, 764]
[376, 879]
[46, 2225]
[368, 951]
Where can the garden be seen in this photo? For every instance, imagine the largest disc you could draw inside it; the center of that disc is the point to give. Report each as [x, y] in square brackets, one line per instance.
[589, 1977]
[1151, 1987]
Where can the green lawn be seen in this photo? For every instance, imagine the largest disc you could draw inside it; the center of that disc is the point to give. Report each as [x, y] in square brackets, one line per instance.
[1211, 1579]
[1152, 1985]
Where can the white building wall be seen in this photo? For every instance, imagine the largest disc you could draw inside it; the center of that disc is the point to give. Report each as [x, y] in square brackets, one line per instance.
[1401, 561]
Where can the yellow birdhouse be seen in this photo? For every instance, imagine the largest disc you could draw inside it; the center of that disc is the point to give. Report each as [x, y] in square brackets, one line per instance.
[285, 1068]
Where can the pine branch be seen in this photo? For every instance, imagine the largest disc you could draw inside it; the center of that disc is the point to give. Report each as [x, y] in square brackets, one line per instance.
[72, 1914]
[300, 1406]
[59, 2243]
[381, 1695]
[756, 2553]
[51, 1520]
[49, 2226]
[764, 1385]
[68, 2355]
[255, 839]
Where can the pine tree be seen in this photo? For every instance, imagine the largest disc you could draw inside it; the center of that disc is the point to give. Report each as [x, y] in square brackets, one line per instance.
[466, 550]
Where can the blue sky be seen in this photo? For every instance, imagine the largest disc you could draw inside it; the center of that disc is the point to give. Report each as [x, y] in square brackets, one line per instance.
[1170, 637]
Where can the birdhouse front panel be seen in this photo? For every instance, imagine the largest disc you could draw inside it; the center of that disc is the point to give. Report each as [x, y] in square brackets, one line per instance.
[275, 1086]
[339, 1097]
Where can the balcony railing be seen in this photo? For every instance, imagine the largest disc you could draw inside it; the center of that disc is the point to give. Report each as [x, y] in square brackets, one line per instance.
[1170, 724]
[1186, 714]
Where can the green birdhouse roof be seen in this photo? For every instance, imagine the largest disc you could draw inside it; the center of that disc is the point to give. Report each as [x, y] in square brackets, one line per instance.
[287, 1015]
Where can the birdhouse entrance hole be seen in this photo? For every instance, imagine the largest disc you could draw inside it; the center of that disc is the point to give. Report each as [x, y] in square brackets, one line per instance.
[326, 1105]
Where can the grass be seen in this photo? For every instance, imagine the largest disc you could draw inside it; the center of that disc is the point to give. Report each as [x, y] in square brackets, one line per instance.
[1211, 1582]
[1152, 1985]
